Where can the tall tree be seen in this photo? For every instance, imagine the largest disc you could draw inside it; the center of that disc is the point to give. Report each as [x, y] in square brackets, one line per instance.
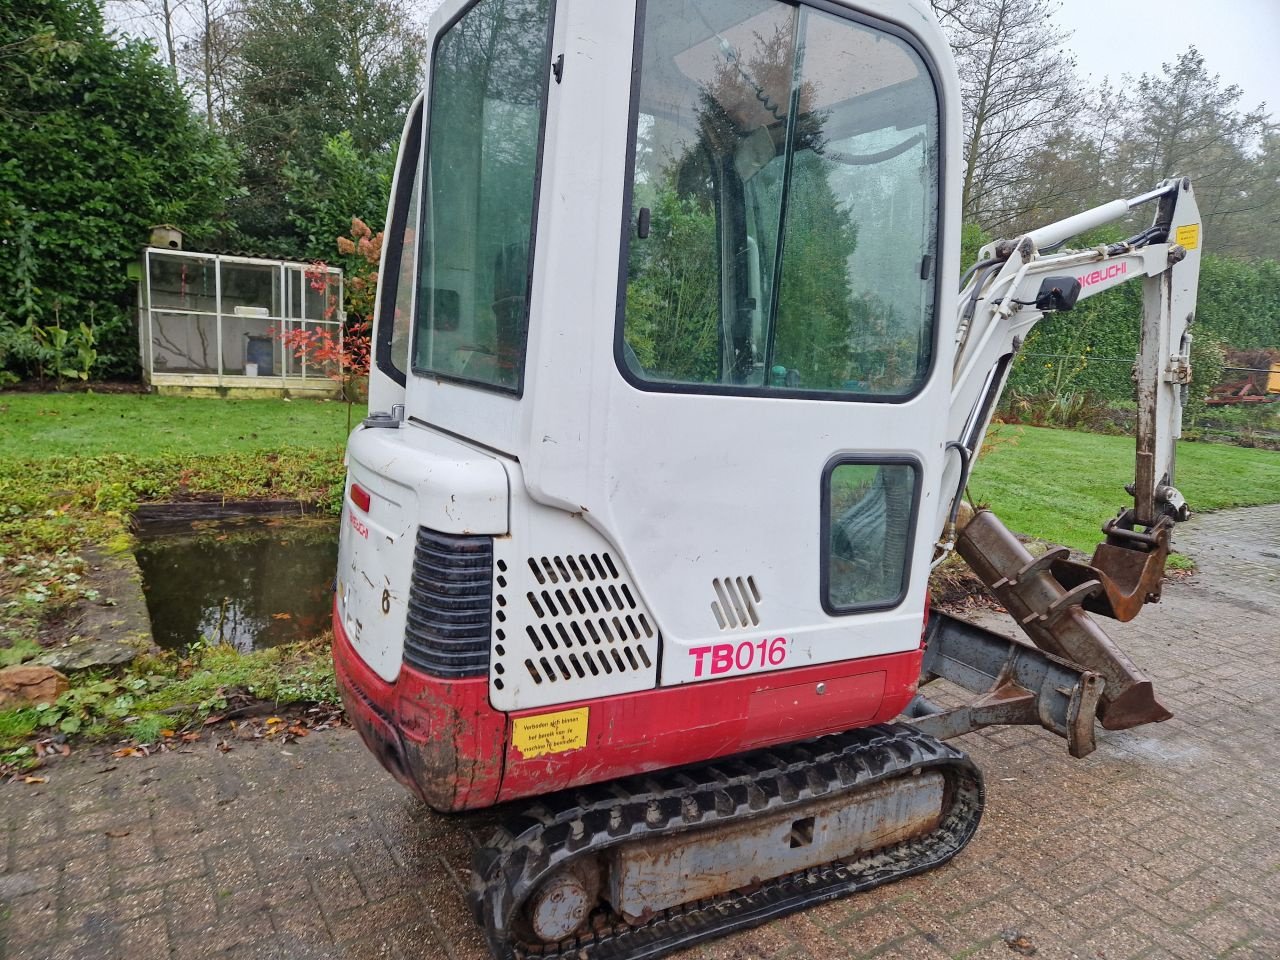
[205, 55]
[195, 38]
[99, 143]
[1018, 86]
[1185, 122]
[304, 71]
[163, 21]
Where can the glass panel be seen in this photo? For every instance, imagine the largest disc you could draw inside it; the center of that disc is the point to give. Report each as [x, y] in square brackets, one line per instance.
[291, 362]
[714, 98]
[870, 518]
[331, 334]
[295, 298]
[184, 343]
[183, 283]
[322, 295]
[249, 348]
[251, 290]
[758, 114]
[488, 91]
[402, 309]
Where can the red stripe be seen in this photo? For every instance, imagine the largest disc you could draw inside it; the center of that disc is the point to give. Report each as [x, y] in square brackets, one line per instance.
[443, 737]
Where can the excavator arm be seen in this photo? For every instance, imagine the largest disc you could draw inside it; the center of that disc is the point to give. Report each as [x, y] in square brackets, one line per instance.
[1051, 597]
[1016, 283]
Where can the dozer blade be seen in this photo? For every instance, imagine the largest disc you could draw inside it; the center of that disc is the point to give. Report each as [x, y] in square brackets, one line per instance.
[1050, 613]
[1014, 683]
[637, 868]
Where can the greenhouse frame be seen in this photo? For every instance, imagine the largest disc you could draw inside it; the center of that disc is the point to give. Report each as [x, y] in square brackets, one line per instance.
[213, 321]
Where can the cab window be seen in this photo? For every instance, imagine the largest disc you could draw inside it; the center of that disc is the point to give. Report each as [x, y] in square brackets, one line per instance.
[488, 93]
[784, 204]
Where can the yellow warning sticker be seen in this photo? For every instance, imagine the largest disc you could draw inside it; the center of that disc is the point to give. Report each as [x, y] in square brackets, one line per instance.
[1188, 236]
[550, 732]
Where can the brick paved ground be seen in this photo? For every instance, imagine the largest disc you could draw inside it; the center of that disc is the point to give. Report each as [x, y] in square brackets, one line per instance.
[1164, 843]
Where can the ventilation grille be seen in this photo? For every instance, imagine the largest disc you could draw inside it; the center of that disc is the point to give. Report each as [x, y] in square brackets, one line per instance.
[735, 603]
[580, 620]
[450, 599]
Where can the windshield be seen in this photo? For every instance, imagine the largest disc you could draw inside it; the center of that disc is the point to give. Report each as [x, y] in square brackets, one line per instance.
[784, 203]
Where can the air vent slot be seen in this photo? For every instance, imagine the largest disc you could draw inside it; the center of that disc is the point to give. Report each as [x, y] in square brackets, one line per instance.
[736, 602]
[447, 632]
[583, 620]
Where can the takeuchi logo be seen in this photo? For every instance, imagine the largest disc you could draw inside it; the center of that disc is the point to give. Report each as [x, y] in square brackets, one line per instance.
[1115, 270]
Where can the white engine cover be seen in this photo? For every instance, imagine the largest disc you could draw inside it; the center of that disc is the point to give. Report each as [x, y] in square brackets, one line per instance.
[569, 622]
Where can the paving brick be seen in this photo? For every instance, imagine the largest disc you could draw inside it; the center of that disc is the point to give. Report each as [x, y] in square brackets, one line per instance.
[1163, 844]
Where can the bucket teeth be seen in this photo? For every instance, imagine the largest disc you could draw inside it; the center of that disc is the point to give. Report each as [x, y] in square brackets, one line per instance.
[1053, 613]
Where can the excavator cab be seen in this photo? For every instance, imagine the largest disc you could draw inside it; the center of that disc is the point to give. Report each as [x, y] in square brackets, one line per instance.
[673, 400]
[663, 286]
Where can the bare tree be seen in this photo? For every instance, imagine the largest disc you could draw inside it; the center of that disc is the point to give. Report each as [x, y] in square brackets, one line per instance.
[1018, 85]
[164, 21]
[194, 37]
[208, 55]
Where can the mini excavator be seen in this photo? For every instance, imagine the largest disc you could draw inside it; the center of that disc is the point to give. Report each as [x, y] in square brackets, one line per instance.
[675, 401]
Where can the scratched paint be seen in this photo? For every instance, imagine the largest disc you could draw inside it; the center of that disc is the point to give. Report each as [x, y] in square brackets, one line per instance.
[250, 582]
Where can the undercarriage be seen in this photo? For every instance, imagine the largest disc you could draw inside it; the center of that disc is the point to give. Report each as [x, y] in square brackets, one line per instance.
[640, 867]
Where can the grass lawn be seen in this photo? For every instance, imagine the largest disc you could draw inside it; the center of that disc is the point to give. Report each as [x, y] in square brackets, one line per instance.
[1060, 486]
[83, 424]
[73, 468]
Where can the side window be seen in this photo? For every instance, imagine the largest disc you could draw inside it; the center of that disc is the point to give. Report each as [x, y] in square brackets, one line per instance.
[868, 519]
[397, 284]
[488, 96]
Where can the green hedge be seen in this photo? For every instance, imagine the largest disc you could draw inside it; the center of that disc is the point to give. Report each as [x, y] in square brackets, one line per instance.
[1238, 306]
[97, 144]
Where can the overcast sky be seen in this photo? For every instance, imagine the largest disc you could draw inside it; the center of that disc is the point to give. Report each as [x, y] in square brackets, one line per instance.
[1240, 40]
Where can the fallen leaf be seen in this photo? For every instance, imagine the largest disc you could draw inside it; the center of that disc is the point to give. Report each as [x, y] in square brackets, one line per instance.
[35, 779]
[166, 733]
[282, 616]
[275, 720]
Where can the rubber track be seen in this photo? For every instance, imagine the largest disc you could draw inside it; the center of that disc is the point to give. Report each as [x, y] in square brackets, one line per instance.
[525, 850]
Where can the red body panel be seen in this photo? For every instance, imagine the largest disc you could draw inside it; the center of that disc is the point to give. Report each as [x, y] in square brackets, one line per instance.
[443, 741]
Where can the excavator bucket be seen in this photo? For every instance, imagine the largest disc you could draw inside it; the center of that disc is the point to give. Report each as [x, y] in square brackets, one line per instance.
[1128, 568]
[1048, 597]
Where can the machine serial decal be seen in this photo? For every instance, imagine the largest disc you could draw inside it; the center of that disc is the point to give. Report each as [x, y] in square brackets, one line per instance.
[550, 732]
[1188, 236]
[725, 657]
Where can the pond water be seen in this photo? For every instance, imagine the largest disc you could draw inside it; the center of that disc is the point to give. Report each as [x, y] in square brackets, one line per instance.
[250, 582]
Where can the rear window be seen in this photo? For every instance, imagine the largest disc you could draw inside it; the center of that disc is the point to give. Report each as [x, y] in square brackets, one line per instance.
[488, 94]
[784, 204]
